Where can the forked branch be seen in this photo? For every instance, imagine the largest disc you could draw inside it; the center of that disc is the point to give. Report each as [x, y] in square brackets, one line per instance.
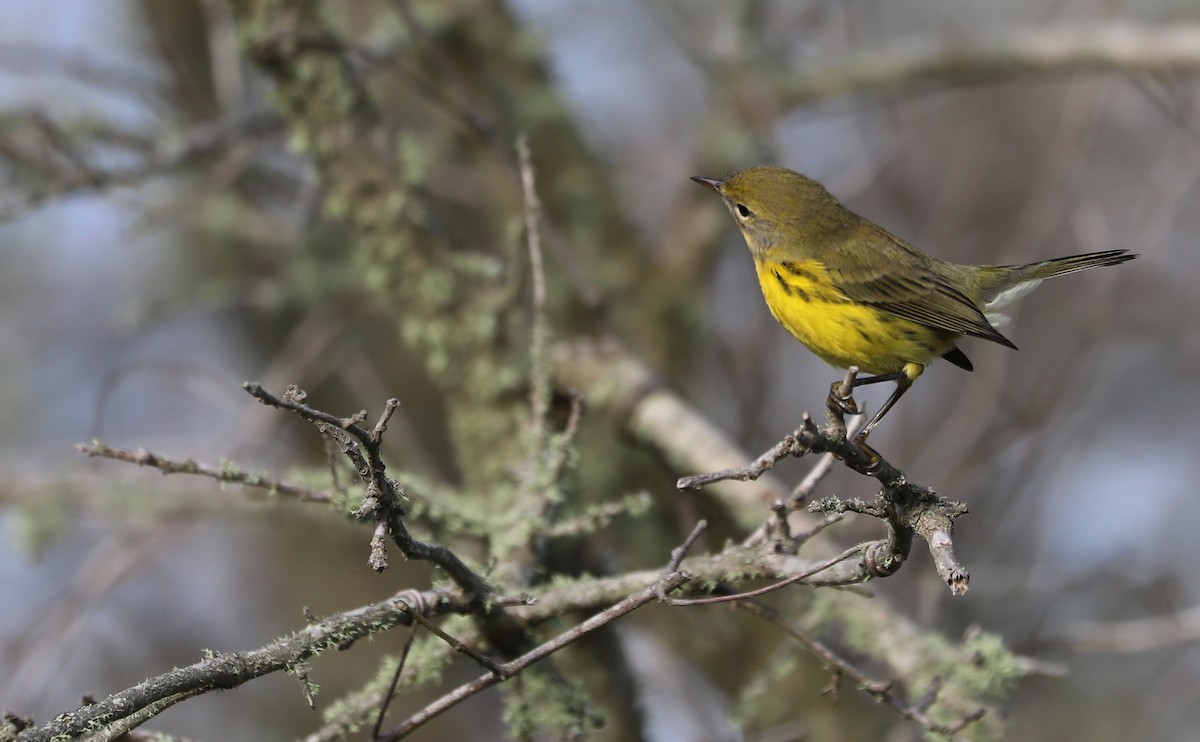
[907, 508]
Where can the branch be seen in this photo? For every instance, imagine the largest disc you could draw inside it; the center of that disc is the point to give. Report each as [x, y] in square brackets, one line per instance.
[621, 387]
[732, 565]
[383, 500]
[794, 579]
[539, 382]
[203, 141]
[222, 671]
[1115, 47]
[1136, 635]
[905, 507]
[509, 669]
[614, 380]
[340, 631]
[226, 474]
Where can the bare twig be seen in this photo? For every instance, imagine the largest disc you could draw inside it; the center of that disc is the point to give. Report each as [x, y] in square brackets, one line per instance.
[791, 445]
[561, 451]
[772, 587]
[457, 645]
[389, 408]
[55, 627]
[449, 90]
[679, 552]
[229, 670]
[395, 681]
[509, 669]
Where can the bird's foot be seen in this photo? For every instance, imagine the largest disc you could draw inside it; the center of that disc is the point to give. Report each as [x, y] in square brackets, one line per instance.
[872, 455]
[841, 400]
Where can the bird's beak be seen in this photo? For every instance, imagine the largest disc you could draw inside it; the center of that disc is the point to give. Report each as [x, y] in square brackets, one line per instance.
[711, 184]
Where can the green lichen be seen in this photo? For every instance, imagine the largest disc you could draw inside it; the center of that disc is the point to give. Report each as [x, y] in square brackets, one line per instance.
[538, 704]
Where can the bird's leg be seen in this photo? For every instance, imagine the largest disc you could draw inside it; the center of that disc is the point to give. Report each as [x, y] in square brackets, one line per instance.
[840, 400]
[841, 393]
[894, 376]
[902, 385]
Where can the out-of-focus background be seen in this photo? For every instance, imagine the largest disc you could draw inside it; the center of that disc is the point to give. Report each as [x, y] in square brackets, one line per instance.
[160, 243]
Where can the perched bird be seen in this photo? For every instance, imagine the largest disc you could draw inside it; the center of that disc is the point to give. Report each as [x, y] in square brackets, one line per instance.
[857, 295]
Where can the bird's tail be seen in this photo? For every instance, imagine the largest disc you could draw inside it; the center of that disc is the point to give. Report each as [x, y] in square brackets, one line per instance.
[1004, 283]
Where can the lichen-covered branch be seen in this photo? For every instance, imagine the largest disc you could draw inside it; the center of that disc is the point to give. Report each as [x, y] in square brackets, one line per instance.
[227, 473]
[509, 669]
[221, 671]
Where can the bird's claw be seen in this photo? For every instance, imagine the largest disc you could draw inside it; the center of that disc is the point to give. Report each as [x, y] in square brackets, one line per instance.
[841, 401]
[860, 441]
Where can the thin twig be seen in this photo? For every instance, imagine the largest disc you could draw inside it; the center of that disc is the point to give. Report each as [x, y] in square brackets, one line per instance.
[679, 552]
[539, 386]
[791, 445]
[383, 499]
[391, 690]
[142, 457]
[510, 669]
[772, 587]
[450, 91]
[389, 408]
[562, 448]
[456, 644]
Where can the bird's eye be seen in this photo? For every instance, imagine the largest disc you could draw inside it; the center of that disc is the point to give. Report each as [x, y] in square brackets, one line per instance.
[743, 212]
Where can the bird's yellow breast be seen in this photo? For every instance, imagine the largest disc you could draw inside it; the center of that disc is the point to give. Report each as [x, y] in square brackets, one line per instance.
[842, 332]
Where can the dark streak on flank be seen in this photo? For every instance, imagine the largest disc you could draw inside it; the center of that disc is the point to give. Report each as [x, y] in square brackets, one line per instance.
[859, 327]
[787, 287]
[802, 273]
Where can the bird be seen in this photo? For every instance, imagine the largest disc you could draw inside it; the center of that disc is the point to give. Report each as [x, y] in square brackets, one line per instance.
[858, 296]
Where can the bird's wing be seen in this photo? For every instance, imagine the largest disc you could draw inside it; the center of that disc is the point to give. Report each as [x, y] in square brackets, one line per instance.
[897, 280]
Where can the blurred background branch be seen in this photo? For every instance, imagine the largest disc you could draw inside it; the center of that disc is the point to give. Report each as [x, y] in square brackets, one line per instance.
[1061, 50]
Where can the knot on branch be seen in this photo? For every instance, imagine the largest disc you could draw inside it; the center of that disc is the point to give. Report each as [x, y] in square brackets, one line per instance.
[881, 560]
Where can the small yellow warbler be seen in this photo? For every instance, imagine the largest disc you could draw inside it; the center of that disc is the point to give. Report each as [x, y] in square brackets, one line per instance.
[857, 295]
